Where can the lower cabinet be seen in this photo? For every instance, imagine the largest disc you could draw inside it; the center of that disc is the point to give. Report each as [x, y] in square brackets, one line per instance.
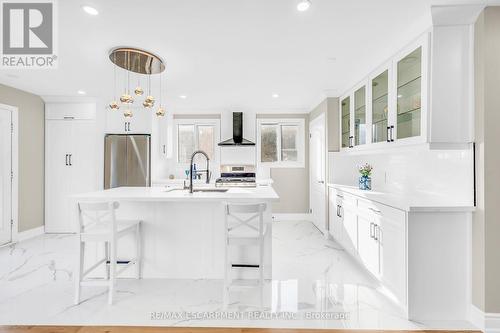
[368, 244]
[375, 234]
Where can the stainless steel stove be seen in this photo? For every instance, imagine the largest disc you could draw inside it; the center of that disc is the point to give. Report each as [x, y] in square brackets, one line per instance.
[236, 176]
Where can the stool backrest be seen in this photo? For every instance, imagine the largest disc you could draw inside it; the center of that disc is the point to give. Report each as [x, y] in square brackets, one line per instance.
[96, 213]
[244, 216]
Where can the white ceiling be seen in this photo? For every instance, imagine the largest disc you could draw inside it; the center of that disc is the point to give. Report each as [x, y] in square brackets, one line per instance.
[227, 54]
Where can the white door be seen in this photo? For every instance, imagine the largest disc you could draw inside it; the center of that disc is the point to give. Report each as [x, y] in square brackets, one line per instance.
[58, 137]
[317, 167]
[5, 176]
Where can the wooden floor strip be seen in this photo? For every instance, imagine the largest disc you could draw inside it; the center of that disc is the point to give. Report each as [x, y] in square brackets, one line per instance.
[148, 329]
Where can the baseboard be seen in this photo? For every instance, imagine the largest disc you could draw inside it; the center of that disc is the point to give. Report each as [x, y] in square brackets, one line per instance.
[291, 217]
[486, 322]
[476, 317]
[492, 323]
[24, 235]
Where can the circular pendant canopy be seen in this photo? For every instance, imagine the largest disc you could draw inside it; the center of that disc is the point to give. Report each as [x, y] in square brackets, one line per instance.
[137, 60]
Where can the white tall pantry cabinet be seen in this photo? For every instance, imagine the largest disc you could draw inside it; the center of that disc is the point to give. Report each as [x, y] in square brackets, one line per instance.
[70, 160]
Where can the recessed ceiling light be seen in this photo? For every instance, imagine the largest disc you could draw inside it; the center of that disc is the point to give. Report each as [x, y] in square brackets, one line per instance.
[275, 95]
[81, 92]
[90, 10]
[183, 96]
[303, 5]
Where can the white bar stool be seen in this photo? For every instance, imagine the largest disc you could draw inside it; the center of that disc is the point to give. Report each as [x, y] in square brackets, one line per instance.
[97, 223]
[244, 226]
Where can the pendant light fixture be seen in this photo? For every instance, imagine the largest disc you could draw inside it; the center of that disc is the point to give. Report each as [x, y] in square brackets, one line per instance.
[161, 111]
[140, 62]
[114, 104]
[138, 91]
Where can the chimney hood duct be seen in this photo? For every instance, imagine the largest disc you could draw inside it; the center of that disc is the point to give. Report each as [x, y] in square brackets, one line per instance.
[237, 139]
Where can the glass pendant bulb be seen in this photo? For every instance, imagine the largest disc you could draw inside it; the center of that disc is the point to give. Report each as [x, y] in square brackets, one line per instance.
[138, 91]
[147, 104]
[128, 113]
[114, 105]
[126, 98]
[160, 112]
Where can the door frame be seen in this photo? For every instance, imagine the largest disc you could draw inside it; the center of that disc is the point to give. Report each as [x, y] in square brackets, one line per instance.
[15, 171]
[325, 227]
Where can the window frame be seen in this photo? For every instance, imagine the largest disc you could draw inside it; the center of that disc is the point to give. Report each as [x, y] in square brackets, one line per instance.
[215, 161]
[279, 122]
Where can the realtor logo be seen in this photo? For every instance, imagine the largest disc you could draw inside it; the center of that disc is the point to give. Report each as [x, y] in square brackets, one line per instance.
[28, 34]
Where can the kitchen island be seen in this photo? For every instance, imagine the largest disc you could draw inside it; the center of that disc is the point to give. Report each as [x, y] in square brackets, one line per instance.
[182, 232]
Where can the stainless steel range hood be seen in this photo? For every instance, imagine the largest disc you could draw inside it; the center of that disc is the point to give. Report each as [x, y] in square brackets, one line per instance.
[237, 139]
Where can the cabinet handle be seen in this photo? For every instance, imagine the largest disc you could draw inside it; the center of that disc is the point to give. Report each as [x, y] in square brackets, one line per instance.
[70, 164]
[375, 228]
[374, 210]
[341, 210]
[68, 118]
[129, 126]
[392, 133]
[338, 211]
[388, 133]
[66, 159]
[351, 140]
[371, 230]
[340, 196]
[321, 181]
[164, 149]
[125, 126]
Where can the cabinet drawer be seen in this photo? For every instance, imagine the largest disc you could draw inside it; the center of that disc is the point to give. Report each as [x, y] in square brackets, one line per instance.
[345, 199]
[381, 209]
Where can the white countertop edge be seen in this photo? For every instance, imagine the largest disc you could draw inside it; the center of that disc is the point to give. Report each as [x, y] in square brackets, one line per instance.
[157, 194]
[401, 203]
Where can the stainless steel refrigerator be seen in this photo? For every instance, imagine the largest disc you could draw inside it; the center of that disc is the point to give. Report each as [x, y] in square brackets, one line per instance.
[127, 160]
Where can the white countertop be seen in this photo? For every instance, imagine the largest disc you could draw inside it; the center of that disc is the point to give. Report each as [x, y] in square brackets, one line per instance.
[425, 202]
[154, 194]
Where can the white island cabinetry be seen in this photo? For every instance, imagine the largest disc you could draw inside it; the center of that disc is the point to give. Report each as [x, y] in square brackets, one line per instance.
[183, 233]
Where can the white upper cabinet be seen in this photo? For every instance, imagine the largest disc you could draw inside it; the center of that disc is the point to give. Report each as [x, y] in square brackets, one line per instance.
[359, 123]
[410, 67]
[379, 105]
[423, 94]
[139, 123]
[345, 121]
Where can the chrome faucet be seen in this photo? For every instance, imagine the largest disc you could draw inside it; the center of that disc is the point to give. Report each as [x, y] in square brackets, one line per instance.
[191, 169]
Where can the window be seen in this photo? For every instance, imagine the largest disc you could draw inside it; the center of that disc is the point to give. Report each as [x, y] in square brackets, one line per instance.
[195, 135]
[281, 142]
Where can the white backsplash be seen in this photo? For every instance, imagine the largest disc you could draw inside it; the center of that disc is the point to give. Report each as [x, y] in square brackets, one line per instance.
[407, 170]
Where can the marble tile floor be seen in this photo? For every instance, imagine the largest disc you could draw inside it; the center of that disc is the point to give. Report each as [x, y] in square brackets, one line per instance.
[315, 285]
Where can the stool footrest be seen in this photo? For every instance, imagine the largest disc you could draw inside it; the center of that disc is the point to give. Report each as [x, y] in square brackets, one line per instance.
[245, 265]
[119, 262]
[247, 283]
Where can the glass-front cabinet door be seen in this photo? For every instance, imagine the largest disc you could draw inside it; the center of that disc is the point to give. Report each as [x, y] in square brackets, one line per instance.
[409, 95]
[346, 121]
[360, 116]
[380, 106]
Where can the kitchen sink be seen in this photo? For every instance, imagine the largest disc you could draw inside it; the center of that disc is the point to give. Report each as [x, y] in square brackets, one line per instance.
[216, 190]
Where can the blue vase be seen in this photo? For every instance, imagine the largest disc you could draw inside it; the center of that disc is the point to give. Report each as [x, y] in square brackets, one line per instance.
[365, 183]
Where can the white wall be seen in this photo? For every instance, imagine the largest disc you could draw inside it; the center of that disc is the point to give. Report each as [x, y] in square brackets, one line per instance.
[413, 169]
